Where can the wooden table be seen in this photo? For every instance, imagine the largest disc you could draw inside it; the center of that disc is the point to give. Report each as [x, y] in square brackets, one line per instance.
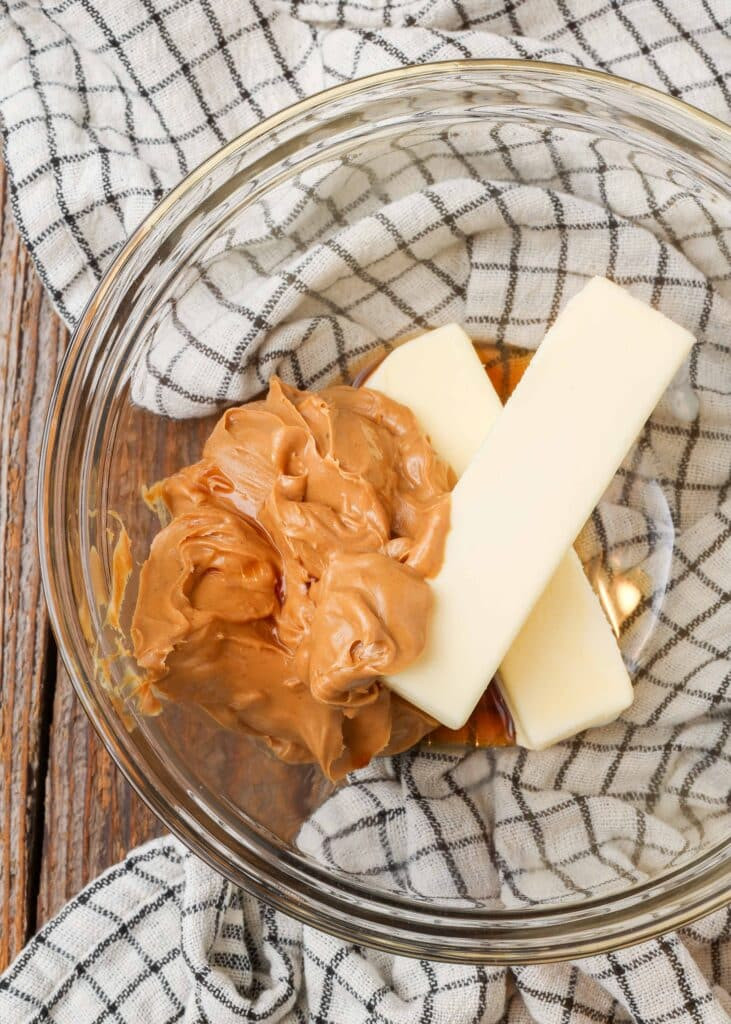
[66, 813]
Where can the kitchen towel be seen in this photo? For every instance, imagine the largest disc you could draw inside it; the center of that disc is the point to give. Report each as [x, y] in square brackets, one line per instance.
[104, 106]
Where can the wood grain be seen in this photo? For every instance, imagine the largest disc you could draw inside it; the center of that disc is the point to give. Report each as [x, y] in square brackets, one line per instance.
[31, 339]
[65, 812]
[92, 816]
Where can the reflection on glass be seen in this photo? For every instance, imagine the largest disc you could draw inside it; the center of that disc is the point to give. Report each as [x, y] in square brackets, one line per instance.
[619, 596]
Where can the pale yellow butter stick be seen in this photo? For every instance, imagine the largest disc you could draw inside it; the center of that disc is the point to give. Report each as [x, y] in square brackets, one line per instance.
[564, 671]
[534, 479]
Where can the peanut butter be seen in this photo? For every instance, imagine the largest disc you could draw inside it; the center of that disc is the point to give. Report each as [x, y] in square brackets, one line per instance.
[293, 574]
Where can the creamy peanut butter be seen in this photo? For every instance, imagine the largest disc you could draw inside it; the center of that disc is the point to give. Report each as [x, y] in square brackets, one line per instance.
[293, 574]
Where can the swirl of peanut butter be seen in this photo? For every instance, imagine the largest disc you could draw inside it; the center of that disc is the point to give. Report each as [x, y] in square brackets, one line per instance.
[292, 574]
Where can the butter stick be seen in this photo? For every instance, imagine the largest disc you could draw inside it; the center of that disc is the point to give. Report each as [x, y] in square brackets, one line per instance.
[564, 671]
[544, 463]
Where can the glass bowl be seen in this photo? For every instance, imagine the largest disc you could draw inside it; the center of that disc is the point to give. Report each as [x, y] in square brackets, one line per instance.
[297, 182]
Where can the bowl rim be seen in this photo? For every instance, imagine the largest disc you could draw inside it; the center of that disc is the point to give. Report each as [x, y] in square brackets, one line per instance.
[540, 932]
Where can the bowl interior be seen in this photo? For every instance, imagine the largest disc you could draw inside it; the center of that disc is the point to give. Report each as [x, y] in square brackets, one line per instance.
[486, 199]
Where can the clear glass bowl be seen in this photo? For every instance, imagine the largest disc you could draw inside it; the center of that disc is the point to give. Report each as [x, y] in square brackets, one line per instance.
[236, 807]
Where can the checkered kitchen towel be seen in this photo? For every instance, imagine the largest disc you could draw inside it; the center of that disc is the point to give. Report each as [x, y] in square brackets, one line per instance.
[104, 105]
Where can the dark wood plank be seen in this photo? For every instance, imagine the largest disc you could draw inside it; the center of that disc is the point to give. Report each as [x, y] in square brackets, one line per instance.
[31, 338]
[92, 816]
[65, 811]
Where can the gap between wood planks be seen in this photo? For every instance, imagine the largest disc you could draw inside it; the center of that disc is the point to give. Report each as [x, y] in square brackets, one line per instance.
[36, 813]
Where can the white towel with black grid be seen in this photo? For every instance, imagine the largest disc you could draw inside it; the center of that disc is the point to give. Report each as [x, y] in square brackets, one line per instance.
[104, 106]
